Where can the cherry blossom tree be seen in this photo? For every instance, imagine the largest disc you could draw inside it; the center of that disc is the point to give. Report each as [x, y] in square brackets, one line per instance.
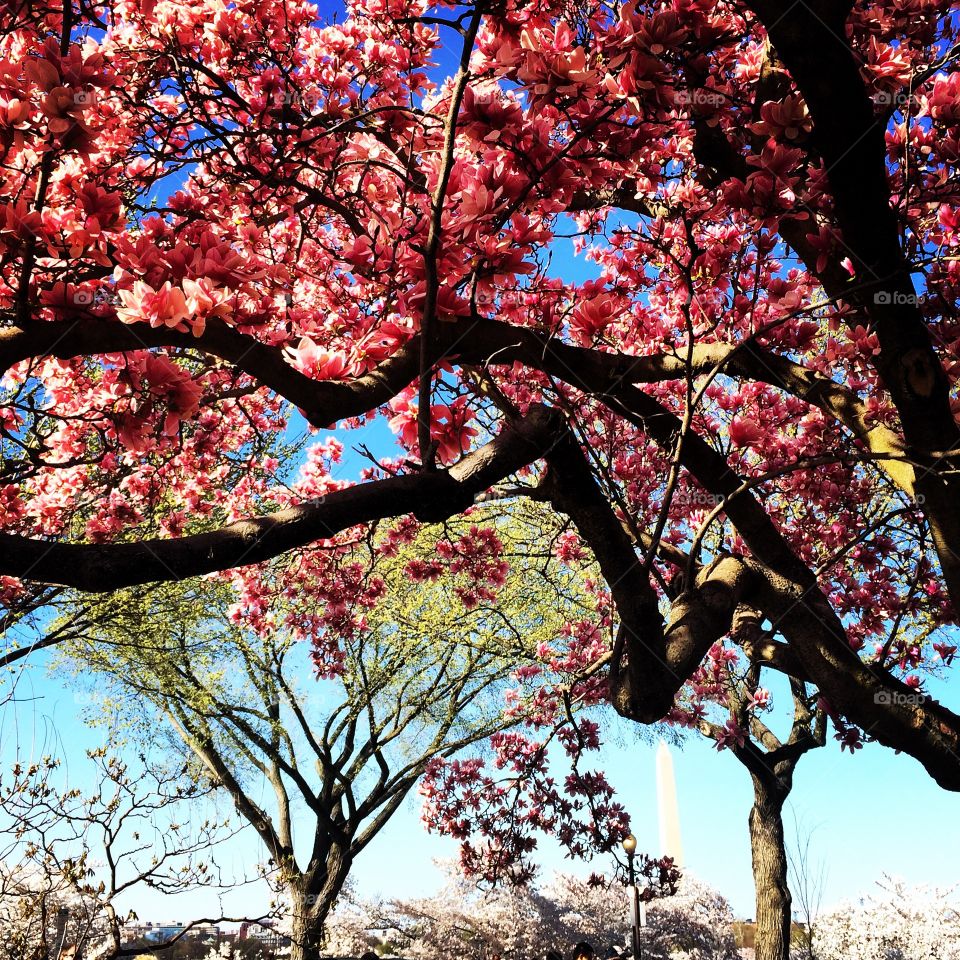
[695, 924]
[38, 910]
[219, 222]
[522, 922]
[897, 921]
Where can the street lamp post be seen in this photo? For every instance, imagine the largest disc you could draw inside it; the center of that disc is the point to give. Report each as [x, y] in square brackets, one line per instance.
[630, 848]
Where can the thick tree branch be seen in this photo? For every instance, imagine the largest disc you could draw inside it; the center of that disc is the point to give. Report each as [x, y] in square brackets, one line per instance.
[323, 403]
[882, 705]
[759, 647]
[475, 341]
[430, 497]
[810, 38]
[658, 659]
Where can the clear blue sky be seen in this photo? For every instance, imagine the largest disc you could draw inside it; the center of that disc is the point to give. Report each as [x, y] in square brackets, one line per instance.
[872, 813]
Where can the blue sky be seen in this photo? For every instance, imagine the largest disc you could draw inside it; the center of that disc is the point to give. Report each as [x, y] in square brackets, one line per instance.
[869, 814]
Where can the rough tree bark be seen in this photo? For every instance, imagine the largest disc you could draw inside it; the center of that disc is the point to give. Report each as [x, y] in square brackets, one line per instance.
[769, 856]
[771, 763]
[306, 936]
[312, 894]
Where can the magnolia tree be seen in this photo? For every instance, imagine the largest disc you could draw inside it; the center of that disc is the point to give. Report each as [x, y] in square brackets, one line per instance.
[517, 923]
[898, 922]
[71, 856]
[223, 221]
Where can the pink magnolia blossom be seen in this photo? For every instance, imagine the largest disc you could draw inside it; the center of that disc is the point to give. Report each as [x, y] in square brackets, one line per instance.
[318, 363]
[165, 307]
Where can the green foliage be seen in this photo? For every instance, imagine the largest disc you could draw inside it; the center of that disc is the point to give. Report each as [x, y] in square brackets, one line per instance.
[177, 647]
[268, 676]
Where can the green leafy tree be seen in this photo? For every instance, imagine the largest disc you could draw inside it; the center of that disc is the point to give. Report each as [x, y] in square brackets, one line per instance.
[226, 664]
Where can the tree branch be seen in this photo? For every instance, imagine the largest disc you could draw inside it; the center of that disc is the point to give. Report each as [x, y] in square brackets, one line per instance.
[430, 497]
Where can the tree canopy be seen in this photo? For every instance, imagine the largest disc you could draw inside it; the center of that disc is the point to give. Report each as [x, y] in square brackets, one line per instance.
[222, 222]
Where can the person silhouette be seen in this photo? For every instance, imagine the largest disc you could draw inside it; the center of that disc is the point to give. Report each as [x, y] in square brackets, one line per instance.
[582, 951]
[553, 955]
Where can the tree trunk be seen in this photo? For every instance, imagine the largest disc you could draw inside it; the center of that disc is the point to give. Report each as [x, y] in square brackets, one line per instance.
[306, 928]
[770, 871]
[312, 896]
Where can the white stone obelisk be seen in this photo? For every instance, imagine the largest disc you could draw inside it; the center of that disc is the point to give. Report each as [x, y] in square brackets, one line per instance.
[670, 843]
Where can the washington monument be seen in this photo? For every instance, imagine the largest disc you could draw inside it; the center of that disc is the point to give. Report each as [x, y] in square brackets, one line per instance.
[669, 812]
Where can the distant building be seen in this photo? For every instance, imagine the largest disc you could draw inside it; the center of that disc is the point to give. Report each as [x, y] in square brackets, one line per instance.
[131, 932]
[263, 931]
[160, 932]
[166, 931]
[204, 931]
